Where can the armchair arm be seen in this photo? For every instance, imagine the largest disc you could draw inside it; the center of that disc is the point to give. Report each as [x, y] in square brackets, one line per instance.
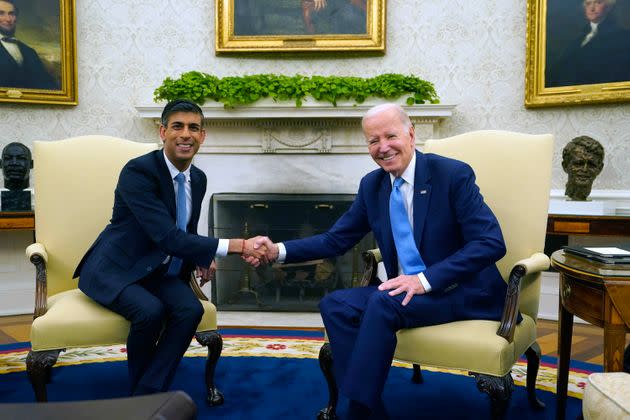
[195, 287]
[371, 258]
[532, 265]
[37, 254]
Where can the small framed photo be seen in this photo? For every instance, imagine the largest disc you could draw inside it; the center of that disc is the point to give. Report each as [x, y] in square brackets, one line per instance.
[299, 25]
[38, 52]
[578, 52]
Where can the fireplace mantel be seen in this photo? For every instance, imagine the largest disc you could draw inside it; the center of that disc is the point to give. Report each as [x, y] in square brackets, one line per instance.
[267, 109]
[281, 127]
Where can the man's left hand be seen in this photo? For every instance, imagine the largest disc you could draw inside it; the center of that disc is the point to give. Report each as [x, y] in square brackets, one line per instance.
[206, 274]
[409, 284]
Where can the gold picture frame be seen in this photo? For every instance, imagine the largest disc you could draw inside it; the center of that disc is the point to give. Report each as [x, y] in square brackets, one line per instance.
[296, 25]
[556, 74]
[45, 35]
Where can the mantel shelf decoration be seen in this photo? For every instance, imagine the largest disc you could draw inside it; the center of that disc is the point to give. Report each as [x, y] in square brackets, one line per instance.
[268, 113]
[277, 96]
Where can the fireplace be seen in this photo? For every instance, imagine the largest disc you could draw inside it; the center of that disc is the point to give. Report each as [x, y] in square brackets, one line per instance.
[280, 287]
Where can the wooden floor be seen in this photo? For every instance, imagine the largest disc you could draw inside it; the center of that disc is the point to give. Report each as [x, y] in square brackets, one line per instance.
[587, 339]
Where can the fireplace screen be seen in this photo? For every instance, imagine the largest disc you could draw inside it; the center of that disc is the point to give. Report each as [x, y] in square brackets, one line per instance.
[280, 287]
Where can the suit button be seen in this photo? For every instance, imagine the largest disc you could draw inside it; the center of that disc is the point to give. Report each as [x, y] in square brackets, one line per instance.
[149, 268]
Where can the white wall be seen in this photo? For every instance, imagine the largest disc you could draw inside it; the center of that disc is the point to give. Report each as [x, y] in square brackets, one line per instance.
[474, 52]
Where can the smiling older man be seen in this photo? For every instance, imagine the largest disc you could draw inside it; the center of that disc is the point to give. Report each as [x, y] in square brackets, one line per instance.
[439, 242]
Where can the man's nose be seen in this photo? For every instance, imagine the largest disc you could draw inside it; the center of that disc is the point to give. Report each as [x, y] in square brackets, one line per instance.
[186, 131]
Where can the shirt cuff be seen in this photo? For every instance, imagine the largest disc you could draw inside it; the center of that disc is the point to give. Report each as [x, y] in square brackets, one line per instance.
[425, 282]
[282, 253]
[222, 248]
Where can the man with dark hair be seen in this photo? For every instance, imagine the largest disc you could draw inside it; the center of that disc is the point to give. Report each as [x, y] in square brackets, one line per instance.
[20, 66]
[140, 264]
[582, 160]
[16, 163]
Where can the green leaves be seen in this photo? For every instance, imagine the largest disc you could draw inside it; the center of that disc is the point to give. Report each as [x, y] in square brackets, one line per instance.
[242, 90]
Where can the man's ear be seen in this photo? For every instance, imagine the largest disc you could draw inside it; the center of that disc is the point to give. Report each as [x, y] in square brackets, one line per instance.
[31, 164]
[162, 131]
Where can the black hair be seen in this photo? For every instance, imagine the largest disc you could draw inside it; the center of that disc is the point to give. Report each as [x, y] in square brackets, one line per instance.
[179, 105]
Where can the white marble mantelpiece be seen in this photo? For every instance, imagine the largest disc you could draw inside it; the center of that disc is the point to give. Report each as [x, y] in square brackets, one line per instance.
[313, 128]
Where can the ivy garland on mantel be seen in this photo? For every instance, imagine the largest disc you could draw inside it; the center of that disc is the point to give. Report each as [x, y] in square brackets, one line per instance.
[243, 90]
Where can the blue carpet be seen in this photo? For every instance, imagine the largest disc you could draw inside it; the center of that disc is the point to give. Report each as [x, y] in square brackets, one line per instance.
[289, 388]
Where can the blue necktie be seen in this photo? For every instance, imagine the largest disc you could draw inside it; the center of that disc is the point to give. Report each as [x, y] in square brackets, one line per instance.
[408, 254]
[182, 215]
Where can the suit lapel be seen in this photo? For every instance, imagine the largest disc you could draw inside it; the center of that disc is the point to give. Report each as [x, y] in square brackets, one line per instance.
[197, 196]
[166, 184]
[388, 248]
[421, 197]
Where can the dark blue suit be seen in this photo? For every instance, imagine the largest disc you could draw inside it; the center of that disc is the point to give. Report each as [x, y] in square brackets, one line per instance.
[125, 271]
[459, 240]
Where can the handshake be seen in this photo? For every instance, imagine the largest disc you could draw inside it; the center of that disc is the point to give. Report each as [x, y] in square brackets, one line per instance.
[255, 251]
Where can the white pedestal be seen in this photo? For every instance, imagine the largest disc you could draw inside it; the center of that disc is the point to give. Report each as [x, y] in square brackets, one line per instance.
[590, 208]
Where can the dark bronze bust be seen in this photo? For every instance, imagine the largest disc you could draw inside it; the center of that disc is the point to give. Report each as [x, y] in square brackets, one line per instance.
[16, 164]
[582, 160]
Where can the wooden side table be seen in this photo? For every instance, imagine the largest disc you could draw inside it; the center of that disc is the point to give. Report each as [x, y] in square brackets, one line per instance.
[599, 294]
[17, 220]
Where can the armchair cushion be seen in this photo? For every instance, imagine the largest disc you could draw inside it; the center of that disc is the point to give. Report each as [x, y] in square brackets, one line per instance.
[75, 320]
[607, 396]
[456, 345]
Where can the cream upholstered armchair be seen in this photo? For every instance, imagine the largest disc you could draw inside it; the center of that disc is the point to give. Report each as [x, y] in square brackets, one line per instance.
[514, 174]
[74, 186]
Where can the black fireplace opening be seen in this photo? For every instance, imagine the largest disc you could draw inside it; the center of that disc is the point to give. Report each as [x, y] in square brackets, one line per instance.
[280, 287]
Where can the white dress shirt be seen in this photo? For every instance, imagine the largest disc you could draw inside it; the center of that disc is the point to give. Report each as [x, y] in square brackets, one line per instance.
[222, 248]
[590, 35]
[14, 50]
[407, 192]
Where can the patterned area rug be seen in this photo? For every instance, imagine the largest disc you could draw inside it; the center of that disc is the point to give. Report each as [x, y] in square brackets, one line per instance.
[296, 344]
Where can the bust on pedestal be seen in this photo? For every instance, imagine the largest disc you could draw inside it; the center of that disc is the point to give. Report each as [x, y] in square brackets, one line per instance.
[16, 164]
[582, 160]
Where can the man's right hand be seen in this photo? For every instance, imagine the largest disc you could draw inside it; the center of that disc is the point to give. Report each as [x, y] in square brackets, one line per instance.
[263, 242]
[264, 245]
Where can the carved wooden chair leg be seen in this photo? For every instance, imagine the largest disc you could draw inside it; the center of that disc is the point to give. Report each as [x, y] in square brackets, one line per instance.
[326, 365]
[533, 363]
[498, 388]
[417, 375]
[214, 342]
[38, 368]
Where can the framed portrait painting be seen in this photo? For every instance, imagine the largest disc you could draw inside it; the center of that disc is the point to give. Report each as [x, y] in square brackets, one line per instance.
[299, 25]
[37, 52]
[578, 52]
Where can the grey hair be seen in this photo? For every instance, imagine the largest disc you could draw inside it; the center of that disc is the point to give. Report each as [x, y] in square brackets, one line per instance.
[404, 118]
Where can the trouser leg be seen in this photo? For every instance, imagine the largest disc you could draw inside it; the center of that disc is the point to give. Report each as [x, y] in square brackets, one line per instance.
[146, 314]
[341, 313]
[183, 314]
[375, 341]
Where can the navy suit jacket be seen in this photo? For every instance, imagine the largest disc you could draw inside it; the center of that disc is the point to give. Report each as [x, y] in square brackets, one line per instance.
[31, 74]
[457, 234]
[143, 231]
